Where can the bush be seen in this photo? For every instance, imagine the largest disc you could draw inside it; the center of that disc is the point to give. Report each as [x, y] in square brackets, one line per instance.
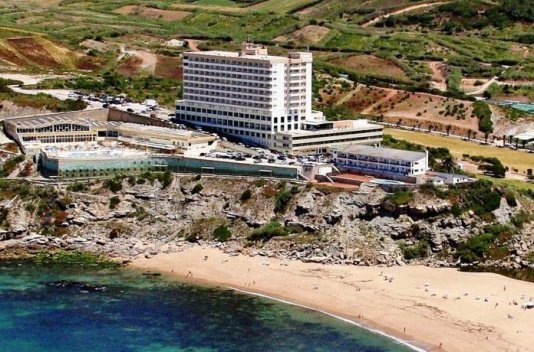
[113, 202]
[483, 112]
[132, 181]
[165, 179]
[400, 197]
[113, 185]
[246, 195]
[222, 233]
[282, 200]
[197, 189]
[522, 218]
[475, 248]
[419, 250]
[260, 183]
[76, 187]
[268, 231]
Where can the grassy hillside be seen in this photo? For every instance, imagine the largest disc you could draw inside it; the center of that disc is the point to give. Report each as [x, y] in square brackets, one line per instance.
[407, 45]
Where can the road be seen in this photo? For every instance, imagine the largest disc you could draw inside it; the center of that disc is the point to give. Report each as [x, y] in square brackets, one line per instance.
[64, 94]
[398, 12]
[483, 87]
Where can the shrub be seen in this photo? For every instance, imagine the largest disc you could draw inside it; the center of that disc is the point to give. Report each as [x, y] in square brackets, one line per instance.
[165, 179]
[475, 248]
[197, 189]
[246, 195]
[113, 202]
[260, 183]
[222, 233]
[114, 185]
[522, 218]
[282, 200]
[400, 197]
[131, 180]
[483, 112]
[268, 231]
[76, 187]
[419, 250]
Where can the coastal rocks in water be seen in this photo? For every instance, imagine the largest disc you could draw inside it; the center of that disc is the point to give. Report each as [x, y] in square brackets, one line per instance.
[75, 285]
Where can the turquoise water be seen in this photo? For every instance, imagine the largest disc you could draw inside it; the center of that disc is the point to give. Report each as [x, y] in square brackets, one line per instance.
[57, 308]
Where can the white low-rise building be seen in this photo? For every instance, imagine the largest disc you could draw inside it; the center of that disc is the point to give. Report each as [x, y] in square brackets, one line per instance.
[90, 127]
[322, 136]
[449, 179]
[382, 162]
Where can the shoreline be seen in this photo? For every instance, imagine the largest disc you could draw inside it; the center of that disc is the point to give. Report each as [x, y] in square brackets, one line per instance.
[346, 320]
[403, 309]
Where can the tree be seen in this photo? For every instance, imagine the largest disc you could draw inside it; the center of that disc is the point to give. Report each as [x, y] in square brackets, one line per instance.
[448, 129]
[448, 163]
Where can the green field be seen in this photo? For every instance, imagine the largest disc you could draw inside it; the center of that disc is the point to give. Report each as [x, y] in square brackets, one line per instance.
[512, 158]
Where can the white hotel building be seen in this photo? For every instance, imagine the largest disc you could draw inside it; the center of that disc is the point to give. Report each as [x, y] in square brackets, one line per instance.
[382, 162]
[253, 96]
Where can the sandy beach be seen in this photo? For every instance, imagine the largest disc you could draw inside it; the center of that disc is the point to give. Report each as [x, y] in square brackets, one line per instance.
[434, 309]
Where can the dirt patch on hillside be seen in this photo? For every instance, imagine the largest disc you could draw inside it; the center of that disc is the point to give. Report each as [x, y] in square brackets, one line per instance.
[310, 34]
[169, 67]
[130, 66]
[88, 63]
[34, 51]
[439, 74]
[92, 44]
[149, 12]
[419, 110]
[10, 57]
[367, 64]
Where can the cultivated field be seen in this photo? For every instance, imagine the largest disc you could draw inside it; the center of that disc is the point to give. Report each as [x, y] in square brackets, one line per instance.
[371, 65]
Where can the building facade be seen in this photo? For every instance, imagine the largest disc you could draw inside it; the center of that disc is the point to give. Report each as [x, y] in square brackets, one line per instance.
[36, 132]
[322, 136]
[382, 162]
[249, 95]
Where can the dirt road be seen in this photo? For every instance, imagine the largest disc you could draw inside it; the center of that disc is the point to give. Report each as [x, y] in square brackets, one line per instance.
[398, 12]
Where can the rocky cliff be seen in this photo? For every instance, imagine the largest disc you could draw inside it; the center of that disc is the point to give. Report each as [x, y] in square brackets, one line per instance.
[142, 216]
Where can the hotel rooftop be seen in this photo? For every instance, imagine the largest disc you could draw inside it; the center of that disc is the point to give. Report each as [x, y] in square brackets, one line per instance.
[386, 153]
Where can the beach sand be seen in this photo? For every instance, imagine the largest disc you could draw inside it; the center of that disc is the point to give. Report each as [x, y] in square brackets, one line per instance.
[423, 306]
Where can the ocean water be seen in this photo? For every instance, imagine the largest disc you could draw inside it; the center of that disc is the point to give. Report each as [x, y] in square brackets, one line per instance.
[60, 308]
